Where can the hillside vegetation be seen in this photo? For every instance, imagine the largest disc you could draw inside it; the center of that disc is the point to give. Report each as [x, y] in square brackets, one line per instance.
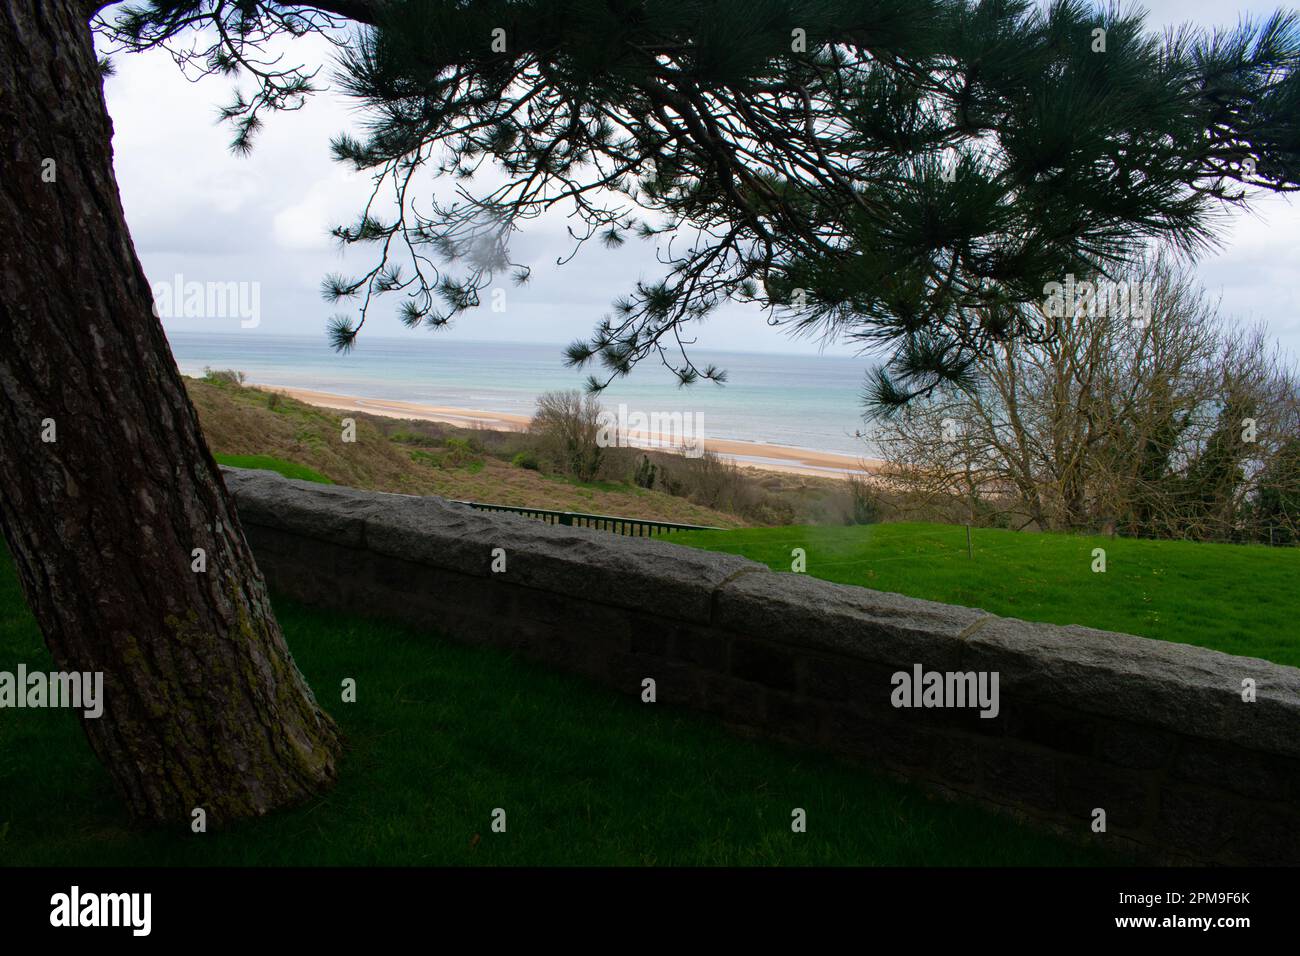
[242, 423]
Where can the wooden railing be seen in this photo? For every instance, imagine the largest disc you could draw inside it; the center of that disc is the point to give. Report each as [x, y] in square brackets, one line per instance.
[635, 527]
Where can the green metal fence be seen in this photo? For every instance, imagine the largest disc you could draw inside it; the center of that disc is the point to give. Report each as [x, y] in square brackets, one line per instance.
[634, 527]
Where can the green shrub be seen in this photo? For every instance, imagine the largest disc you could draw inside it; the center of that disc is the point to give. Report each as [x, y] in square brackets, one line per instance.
[223, 376]
[460, 452]
[644, 476]
[868, 508]
[526, 459]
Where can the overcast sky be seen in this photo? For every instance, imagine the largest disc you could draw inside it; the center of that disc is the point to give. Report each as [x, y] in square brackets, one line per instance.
[197, 210]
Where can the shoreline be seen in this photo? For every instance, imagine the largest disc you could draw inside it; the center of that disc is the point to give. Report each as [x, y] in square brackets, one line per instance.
[756, 455]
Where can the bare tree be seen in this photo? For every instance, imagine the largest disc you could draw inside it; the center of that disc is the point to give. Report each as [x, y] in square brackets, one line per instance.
[1157, 417]
[567, 426]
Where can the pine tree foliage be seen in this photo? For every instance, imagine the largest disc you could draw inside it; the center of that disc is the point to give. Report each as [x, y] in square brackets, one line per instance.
[905, 175]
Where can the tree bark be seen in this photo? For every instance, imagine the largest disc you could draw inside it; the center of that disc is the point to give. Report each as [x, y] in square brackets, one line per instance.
[204, 707]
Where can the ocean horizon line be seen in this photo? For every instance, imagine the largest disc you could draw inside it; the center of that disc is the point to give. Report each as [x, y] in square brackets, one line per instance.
[382, 337]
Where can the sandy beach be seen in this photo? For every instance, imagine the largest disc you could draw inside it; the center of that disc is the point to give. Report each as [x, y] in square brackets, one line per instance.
[766, 457]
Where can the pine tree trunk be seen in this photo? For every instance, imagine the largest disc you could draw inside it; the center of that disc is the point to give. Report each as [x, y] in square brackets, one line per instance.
[204, 707]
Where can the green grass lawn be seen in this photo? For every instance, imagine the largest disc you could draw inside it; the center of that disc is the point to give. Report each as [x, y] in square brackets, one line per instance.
[1242, 599]
[442, 734]
[269, 463]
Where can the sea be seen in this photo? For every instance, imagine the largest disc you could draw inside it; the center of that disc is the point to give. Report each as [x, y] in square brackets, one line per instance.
[811, 402]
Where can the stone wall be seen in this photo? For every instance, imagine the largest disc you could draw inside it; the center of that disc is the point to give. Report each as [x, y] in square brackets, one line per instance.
[1157, 735]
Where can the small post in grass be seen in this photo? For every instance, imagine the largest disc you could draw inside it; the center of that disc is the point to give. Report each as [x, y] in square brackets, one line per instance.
[970, 552]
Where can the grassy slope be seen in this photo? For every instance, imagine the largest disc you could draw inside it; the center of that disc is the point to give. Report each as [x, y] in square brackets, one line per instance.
[1239, 599]
[443, 734]
[247, 421]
